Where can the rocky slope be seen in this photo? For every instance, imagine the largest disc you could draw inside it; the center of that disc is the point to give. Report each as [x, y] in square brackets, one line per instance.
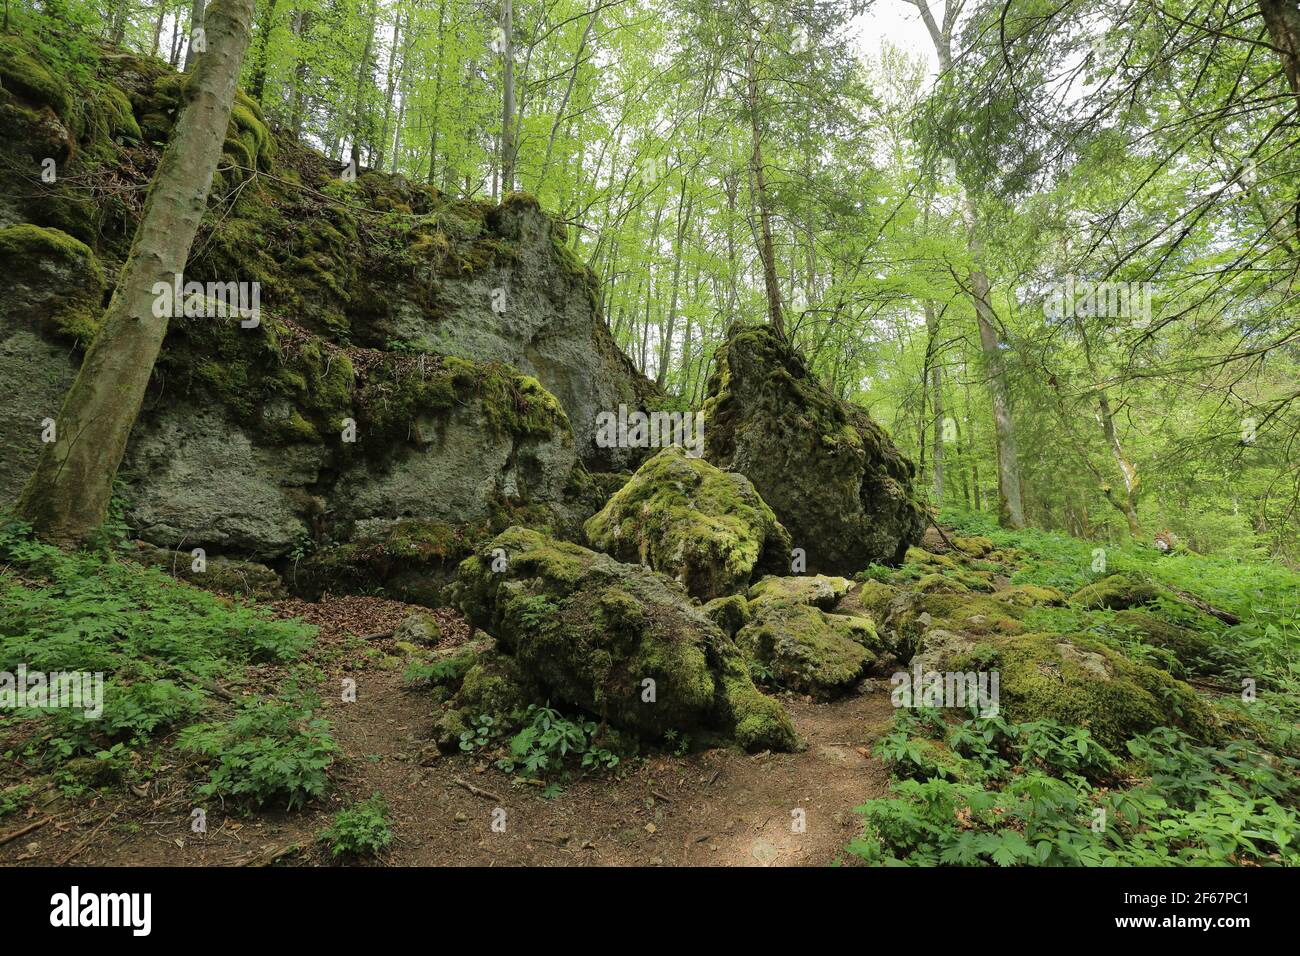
[416, 359]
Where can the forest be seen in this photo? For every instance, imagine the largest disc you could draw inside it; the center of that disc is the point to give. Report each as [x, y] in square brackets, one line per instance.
[650, 433]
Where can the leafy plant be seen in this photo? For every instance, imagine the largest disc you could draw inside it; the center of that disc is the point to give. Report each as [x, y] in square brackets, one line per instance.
[268, 751]
[362, 829]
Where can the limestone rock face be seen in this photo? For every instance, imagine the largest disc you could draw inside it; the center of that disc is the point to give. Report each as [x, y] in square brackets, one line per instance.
[618, 640]
[417, 359]
[831, 474]
[704, 527]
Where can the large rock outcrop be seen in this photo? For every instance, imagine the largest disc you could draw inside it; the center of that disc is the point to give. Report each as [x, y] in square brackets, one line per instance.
[416, 359]
[618, 640]
[831, 474]
[704, 527]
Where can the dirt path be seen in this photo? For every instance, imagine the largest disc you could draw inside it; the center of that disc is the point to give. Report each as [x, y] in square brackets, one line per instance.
[718, 807]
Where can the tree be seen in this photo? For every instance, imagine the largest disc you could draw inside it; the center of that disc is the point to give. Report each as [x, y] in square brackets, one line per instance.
[67, 496]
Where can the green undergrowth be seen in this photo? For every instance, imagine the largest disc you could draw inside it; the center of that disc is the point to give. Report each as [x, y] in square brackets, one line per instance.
[991, 792]
[167, 653]
[986, 792]
[361, 830]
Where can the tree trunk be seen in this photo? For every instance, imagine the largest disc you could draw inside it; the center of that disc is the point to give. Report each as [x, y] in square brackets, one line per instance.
[936, 402]
[196, 23]
[766, 253]
[67, 496]
[508, 101]
[363, 81]
[1282, 17]
[1011, 512]
[157, 26]
[259, 55]
[437, 94]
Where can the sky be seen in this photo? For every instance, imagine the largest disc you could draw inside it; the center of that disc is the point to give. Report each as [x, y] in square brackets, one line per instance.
[899, 22]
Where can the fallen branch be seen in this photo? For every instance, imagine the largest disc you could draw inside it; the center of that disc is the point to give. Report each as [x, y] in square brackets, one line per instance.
[27, 829]
[477, 791]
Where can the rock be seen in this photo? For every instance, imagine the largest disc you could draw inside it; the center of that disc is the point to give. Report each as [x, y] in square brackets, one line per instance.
[1194, 650]
[818, 590]
[802, 648]
[419, 627]
[1030, 595]
[53, 290]
[730, 613]
[831, 474]
[794, 641]
[247, 578]
[590, 631]
[1119, 592]
[704, 527]
[1075, 682]
[385, 382]
[195, 478]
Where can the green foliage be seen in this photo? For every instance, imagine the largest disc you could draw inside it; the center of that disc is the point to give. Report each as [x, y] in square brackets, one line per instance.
[269, 752]
[360, 830]
[548, 739]
[156, 641]
[1040, 794]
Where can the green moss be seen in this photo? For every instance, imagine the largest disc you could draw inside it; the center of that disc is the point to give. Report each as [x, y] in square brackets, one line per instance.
[820, 590]
[400, 389]
[803, 648]
[29, 251]
[1119, 592]
[1030, 595]
[597, 634]
[706, 528]
[23, 73]
[1196, 651]
[875, 597]
[974, 546]
[1078, 682]
[730, 613]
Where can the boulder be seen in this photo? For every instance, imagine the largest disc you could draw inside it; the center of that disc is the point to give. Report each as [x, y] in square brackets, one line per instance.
[706, 528]
[1072, 680]
[830, 473]
[618, 640]
[794, 642]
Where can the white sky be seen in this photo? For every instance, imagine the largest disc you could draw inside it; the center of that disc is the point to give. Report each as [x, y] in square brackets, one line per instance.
[899, 22]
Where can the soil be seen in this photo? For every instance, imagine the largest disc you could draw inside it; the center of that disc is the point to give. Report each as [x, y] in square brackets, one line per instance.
[719, 807]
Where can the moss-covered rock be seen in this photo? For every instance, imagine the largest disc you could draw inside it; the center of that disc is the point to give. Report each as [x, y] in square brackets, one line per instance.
[1119, 592]
[52, 279]
[1072, 680]
[791, 640]
[730, 613]
[819, 590]
[615, 639]
[1196, 651]
[227, 575]
[800, 647]
[704, 527]
[830, 473]
[1030, 595]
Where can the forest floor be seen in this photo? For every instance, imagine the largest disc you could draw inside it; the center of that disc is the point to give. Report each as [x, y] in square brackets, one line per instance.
[714, 807]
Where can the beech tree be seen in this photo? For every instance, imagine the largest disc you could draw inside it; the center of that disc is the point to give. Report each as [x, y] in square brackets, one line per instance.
[67, 496]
